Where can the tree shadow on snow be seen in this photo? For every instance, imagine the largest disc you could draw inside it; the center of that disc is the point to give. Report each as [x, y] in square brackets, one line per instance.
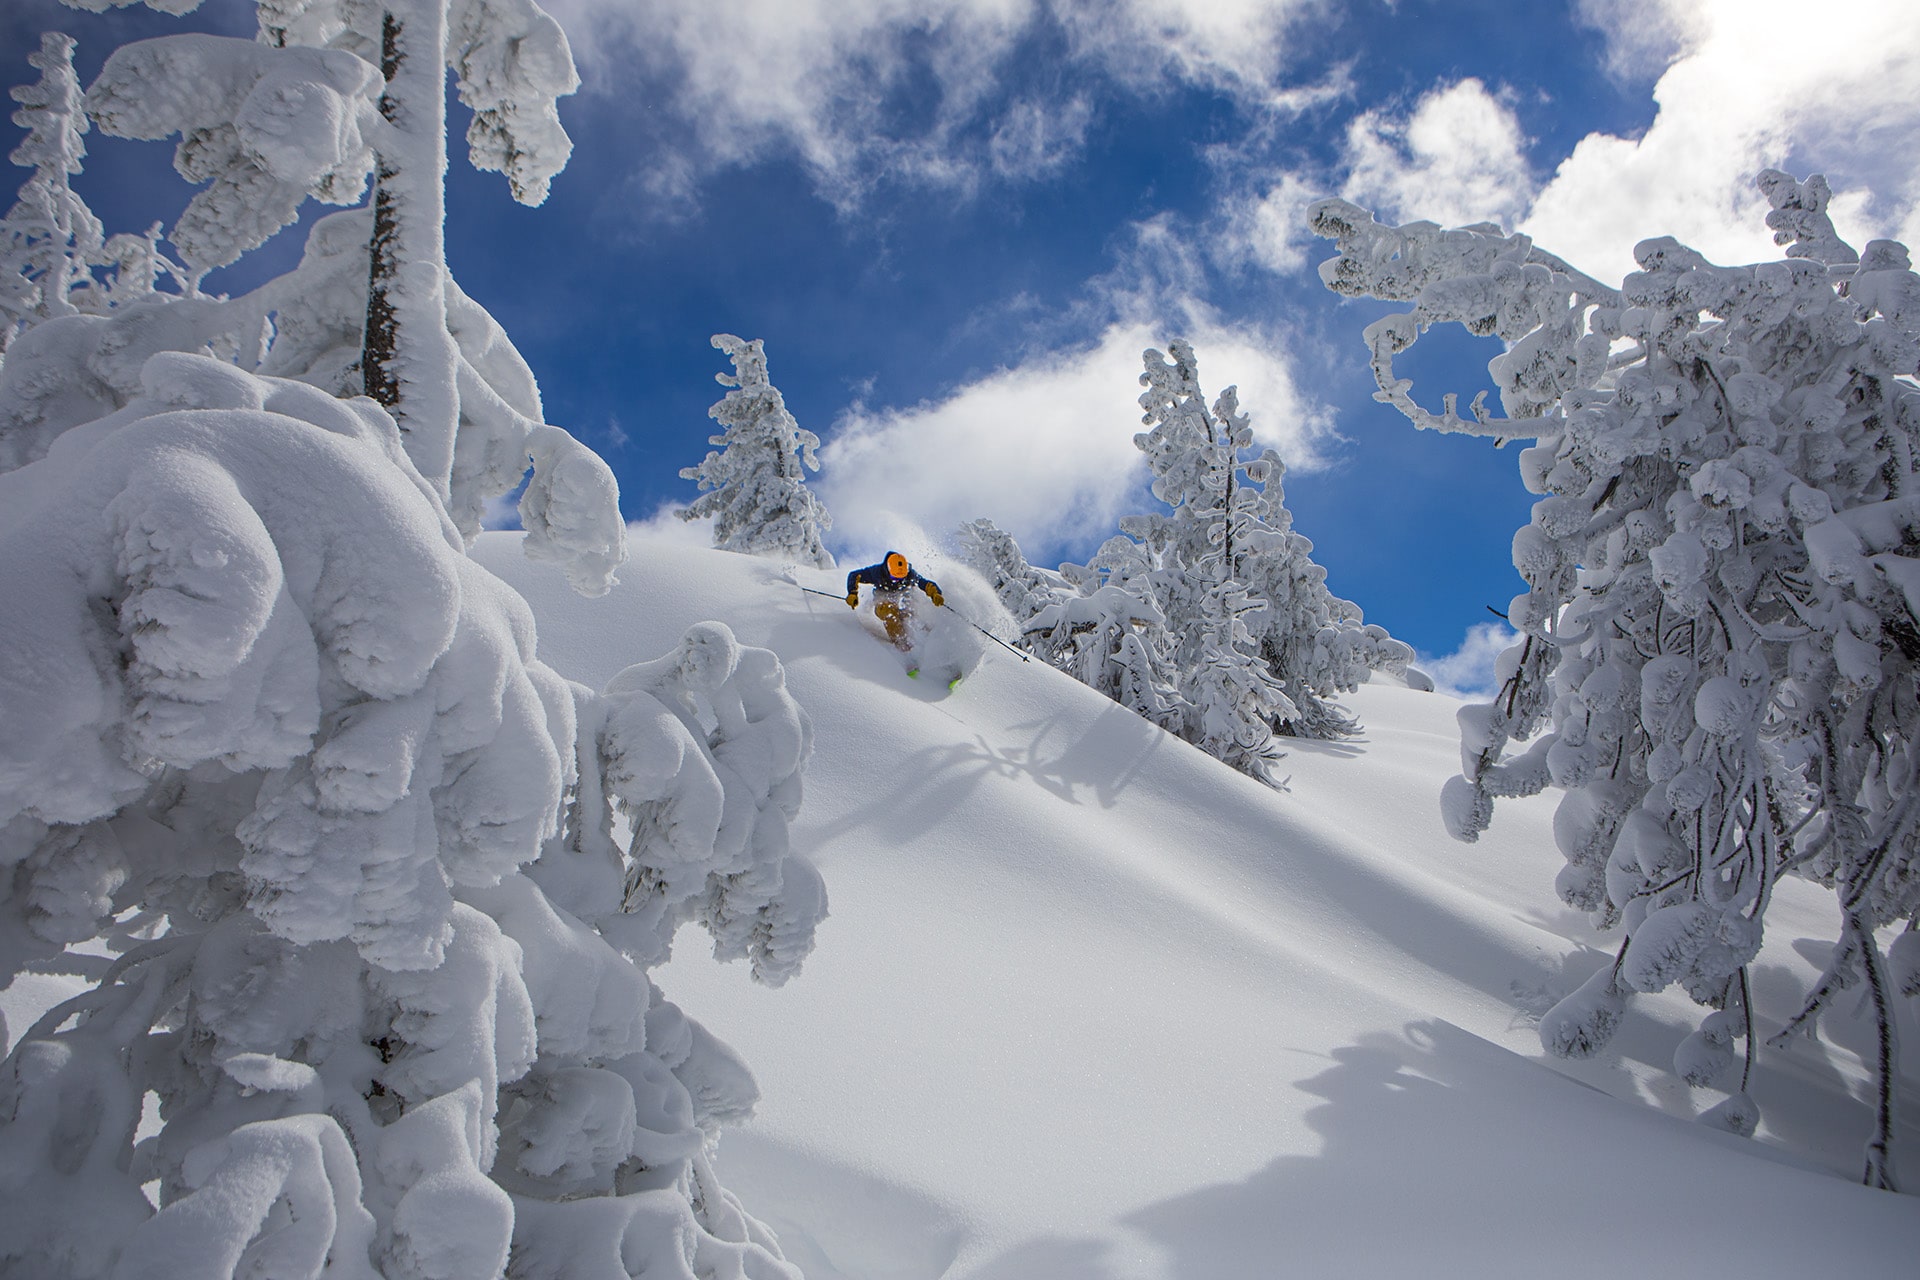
[1049, 1259]
[1443, 1154]
[1332, 748]
[1446, 1155]
[932, 784]
[1103, 760]
[938, 780]
[838, 1222]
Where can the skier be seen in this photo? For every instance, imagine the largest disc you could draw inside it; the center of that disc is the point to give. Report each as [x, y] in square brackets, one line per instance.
[891, 579]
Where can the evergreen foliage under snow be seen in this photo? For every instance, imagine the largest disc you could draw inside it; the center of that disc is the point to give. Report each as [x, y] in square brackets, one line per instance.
[368, 894]
[1210, 618]
[1721, 653]
[754, 487]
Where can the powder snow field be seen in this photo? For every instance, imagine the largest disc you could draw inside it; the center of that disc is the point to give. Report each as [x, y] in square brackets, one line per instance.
[1092, 1006]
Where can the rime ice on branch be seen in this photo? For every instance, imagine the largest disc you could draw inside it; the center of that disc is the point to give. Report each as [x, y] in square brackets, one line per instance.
[1720, 660]
[339, 92]
[306, 111]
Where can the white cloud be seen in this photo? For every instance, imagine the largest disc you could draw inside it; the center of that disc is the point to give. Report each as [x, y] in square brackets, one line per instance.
[1044, 449]
[1742, 86]
[915, 89]
[1457, 158]
[1764, 83]
[1467, 672]
[1271, 230]
[1234, 45]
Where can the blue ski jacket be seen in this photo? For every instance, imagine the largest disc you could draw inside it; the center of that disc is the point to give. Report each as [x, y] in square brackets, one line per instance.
[877, 577]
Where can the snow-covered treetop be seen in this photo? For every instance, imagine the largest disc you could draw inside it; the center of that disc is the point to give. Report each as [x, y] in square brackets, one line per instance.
[49, 237]
[51, 111]
[177, 8]
[754, 488]
[266, 124]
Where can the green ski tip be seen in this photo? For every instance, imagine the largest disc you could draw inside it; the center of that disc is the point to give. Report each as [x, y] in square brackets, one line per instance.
[913, 673]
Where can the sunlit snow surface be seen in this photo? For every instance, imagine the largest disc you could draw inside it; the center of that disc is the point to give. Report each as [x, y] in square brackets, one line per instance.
[1090, 1005]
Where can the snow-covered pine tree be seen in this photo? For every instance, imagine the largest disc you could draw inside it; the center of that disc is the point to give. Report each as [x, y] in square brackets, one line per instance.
[1108, 634]
[49, 238]
[1721, 653]
[1022, 590]
[754, 487]
[350, 848]
[1230, 699]
[1317, 644]
[380, 958]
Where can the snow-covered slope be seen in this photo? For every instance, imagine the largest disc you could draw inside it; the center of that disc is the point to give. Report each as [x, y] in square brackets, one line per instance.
[1091, 1006]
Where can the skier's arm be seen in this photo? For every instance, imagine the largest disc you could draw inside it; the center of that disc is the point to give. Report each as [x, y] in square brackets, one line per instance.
[932, 589]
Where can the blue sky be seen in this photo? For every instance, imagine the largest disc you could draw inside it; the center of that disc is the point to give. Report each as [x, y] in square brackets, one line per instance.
[955, 223]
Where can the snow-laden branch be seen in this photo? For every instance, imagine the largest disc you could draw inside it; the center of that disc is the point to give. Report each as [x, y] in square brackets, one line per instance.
[312, 744]
[262, 128]
[1721, 626]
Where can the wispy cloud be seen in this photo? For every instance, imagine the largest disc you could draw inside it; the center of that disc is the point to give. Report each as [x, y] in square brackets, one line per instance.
[938, 92]
[1269, 229]
[1643, 37]
[1456, 156]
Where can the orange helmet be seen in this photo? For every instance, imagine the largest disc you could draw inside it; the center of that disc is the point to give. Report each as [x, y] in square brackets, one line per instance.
[896, 564]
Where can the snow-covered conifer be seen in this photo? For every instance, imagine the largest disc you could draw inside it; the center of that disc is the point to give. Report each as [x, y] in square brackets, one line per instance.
[754, 487]
[379, 955]
[1315, 643]
[1022, 589]
[1109, 635]
[1231, 701]
[49, 238]
[1208, 618]
[1720, 652]
[379, 943]
[268, 123]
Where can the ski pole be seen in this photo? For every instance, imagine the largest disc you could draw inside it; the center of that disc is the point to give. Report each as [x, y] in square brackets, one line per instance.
[950, 609]
[988, 634]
